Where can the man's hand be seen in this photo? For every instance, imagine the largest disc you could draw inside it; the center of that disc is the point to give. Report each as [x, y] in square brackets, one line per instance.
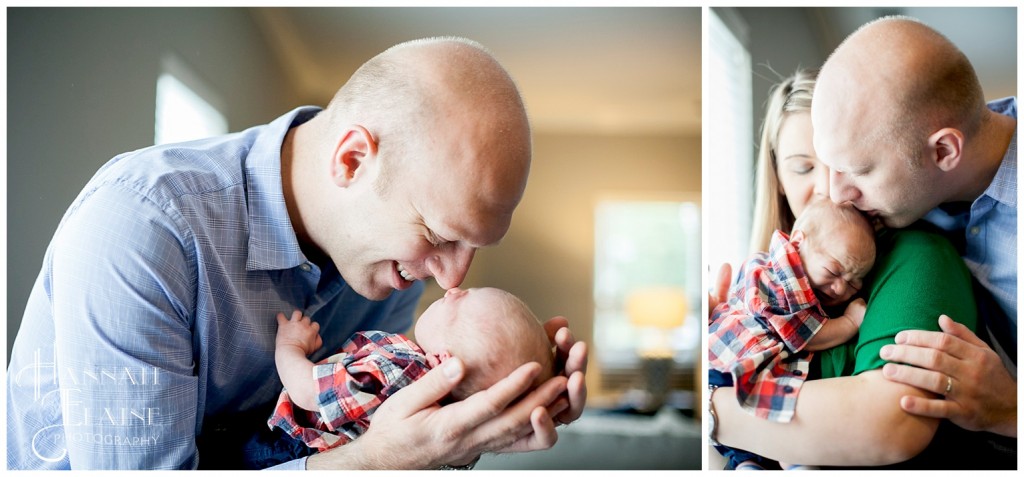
[982, 394]
[719, 292]
[299, 332]
[411, 431]
[572, 358]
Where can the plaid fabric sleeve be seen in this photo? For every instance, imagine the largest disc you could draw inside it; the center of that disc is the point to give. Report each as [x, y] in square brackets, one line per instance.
[782, 296]
[771, 314]
[372, 366]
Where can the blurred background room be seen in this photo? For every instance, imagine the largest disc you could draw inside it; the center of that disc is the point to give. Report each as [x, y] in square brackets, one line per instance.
[607, 235]
[751, 49]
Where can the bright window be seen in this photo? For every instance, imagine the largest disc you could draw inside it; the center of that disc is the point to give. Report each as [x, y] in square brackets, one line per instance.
[185, 106]
[728, 141]
[644, 245]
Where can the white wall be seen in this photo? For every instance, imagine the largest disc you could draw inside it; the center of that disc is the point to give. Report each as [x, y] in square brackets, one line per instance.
[82, 88]
[780, 41]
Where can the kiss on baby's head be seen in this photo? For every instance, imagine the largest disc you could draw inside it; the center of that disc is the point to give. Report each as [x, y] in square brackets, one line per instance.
[492, 331]
[837, 248]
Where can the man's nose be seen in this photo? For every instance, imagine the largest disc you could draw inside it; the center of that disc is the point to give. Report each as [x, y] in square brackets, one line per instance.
[821, 183]
[840, 190]
[450, 266]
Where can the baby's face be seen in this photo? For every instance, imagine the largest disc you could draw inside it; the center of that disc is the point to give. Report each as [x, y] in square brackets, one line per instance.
[452, 316]
[835, 267]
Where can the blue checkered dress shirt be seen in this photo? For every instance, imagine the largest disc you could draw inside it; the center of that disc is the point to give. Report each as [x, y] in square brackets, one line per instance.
[989, 234]
[154, 313]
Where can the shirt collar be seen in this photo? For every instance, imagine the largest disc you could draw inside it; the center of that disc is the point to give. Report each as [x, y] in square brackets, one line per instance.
[789, 272]
[1004, 185]
[272, 241]
[780, 246]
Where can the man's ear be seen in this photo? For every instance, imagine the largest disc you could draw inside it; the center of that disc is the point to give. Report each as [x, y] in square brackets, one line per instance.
[356, 149]
[946, 148]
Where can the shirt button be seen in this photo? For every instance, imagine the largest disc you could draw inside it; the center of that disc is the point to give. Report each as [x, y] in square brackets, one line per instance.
[975, 230]
[305, 267]
[787, 389]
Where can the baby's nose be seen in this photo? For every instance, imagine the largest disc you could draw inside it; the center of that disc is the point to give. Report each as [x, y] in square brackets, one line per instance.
[453, 292]
[839, 287]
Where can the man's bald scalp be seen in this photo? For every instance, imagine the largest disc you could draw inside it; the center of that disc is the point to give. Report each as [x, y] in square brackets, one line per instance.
[924, 80]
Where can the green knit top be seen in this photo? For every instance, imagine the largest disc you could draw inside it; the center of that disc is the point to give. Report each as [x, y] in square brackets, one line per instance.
[917, 276]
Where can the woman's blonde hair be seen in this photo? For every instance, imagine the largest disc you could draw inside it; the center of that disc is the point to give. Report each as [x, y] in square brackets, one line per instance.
[771, 211]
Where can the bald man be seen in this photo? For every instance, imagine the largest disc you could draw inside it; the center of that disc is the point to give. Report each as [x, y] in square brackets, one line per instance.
[900, 119]
[148, 339]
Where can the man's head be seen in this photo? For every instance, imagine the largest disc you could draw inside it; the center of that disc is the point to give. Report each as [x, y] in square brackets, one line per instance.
[490, 330]
[425, 152]
[837, 248]
[893, 107]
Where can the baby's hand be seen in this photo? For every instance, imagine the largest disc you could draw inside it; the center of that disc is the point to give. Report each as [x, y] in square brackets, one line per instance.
[299, 332]
[855, 311]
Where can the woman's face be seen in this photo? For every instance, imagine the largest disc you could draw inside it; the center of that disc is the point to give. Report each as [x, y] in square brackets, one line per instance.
[801, 174]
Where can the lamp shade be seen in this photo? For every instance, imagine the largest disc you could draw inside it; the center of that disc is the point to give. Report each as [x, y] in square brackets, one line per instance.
[657, 307]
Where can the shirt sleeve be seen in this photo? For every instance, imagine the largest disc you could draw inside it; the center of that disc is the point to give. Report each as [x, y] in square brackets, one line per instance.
[920, 278]
[122, 291]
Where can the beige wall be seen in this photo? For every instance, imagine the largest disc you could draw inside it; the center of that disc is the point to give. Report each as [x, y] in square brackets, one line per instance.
[547, 256]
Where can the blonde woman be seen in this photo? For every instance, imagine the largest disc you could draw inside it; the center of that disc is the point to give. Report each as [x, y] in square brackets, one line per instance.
[786, 160]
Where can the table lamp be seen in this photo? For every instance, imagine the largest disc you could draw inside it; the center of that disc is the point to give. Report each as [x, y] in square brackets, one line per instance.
[658, 310]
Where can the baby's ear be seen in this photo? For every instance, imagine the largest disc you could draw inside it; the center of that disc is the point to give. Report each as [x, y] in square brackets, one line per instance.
[435, 359]
[797, 237]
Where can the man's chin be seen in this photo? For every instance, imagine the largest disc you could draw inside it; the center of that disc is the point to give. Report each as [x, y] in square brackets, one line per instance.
[371, 292]
[895, 222]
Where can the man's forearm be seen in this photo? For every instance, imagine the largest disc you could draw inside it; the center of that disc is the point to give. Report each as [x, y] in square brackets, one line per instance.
[863, 410]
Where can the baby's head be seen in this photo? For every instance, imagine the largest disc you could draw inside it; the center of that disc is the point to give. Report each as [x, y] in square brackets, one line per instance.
[490, 330]
[837, 248]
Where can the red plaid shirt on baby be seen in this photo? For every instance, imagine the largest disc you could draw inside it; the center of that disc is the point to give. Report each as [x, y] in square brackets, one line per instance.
[757, 336]
[371, 366]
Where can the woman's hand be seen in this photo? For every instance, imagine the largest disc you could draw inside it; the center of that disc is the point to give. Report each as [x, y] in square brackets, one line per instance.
[982, 394]
[719, 292]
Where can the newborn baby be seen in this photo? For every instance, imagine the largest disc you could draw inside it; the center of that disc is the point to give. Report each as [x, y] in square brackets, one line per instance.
[490, 330]
[773, 315]
[760, 339]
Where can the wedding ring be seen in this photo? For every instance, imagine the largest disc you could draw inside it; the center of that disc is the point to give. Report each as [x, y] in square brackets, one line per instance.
[949, 385]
